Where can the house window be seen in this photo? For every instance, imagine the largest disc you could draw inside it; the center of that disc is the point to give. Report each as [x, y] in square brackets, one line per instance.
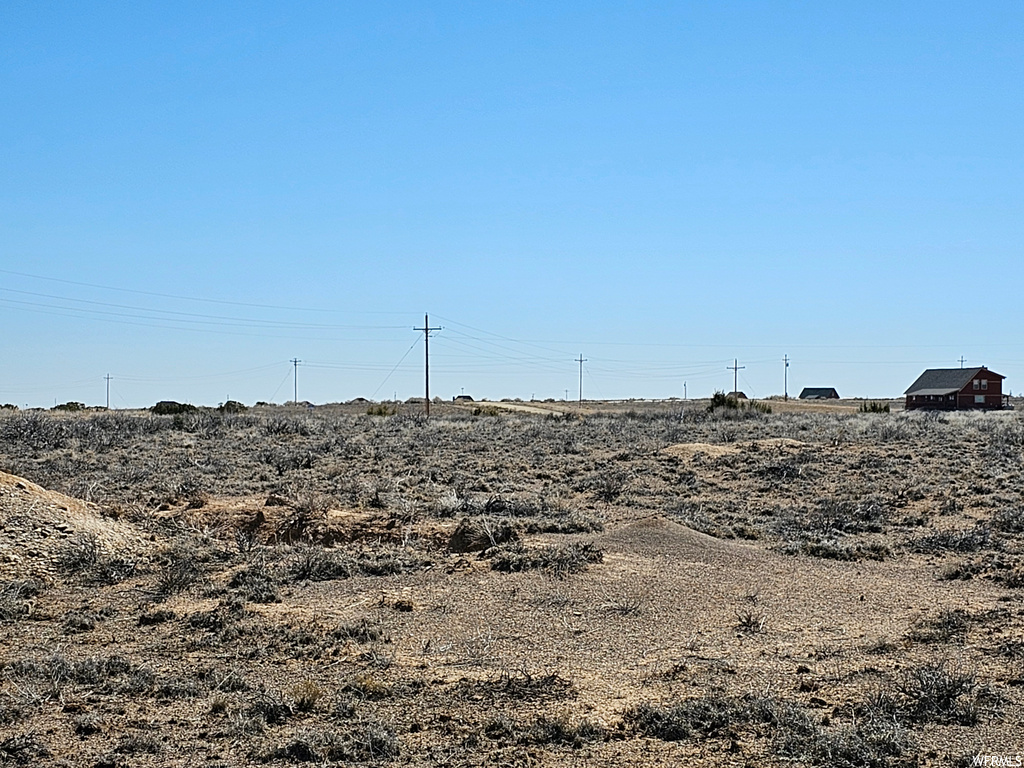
[984, 383]
[979, 399]
[977, 384]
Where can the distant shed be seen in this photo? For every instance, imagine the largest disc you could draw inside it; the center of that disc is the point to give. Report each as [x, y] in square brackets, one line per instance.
[957, 389]
[819, 393]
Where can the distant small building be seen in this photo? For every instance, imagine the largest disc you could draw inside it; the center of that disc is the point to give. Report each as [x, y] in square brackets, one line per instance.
[819, 393]
[737, 396]
[462, 399]
[957, 389]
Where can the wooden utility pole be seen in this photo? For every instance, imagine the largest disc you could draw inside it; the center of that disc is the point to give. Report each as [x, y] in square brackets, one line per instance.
[735, 375]
[426, 358]
[785, 380]
[962, 361]
[581, 361]
[295, 380]
[107, 377]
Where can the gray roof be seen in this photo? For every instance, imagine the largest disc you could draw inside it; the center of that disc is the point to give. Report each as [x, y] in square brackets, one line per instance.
[814, 393]
[942, 381]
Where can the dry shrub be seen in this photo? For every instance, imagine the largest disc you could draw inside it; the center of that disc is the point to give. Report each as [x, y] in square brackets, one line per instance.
[521, 685]
[948, 625]
[256, 583]
[558, 559]
[366, 742]
[17, 599]
[792, 731]
[968, 540]
[478, 534]
[306, 694]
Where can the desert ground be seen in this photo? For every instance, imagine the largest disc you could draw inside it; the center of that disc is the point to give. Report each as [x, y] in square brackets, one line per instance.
[523, 584]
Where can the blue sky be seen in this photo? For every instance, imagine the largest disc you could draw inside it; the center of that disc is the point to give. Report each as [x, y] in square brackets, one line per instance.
[192, 194]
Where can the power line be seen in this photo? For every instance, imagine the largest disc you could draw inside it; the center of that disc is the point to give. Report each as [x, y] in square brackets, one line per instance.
[186, 298]
[393, 370]
[124, 401]
[594, 381]
[112, 317]
[271, 399]
[749, 387]
[503, 338]
[148, 313]
[165, 379]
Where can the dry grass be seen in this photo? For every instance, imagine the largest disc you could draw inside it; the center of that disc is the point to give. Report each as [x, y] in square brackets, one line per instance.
[634, 584]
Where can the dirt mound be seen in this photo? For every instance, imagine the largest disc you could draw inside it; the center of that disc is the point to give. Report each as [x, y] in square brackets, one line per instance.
[658, 537]
[714, 450]
[689, 450]
[37, 526]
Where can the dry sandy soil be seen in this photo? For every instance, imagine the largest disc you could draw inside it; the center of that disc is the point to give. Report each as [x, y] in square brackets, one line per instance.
[636, 584]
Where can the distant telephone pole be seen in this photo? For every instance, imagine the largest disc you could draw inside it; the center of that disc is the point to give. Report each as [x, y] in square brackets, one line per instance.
[426, 358]
[785, 379]
[962, 361]
[295, 380]
[735, 375]
[581, 361]
[107, 377]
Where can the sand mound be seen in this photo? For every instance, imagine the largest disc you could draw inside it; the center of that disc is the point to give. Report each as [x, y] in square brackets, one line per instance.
[689, 450]
[714, 450]
[37, 526]
[780, 442]
[658, 537]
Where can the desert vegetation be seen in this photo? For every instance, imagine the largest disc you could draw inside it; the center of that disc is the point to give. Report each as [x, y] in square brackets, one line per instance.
[641, 583]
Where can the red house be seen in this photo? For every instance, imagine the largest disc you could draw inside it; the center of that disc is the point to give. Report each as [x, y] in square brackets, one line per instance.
[957, 389]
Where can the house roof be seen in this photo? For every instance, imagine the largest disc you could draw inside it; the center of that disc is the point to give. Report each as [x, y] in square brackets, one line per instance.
[943, 381]
[810, 393]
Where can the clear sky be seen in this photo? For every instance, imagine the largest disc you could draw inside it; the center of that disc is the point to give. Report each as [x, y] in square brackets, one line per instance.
[194, 193]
